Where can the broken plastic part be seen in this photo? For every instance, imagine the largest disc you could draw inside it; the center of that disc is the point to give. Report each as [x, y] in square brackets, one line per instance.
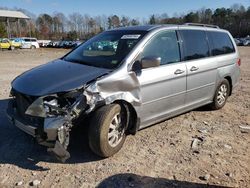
[51, 126]
[60, 152]
[63, 136]
[36, 108]
[78, 107]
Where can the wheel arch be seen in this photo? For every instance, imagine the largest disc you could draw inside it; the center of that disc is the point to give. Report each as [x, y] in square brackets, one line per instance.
[133, 121]
[229, 79]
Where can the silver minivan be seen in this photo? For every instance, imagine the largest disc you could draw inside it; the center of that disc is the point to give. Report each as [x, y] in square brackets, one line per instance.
[124, 80]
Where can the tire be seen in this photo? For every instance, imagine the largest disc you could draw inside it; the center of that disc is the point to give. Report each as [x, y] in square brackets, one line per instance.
[104, 130]
[12, 47]
[221, 95]
[32, 47]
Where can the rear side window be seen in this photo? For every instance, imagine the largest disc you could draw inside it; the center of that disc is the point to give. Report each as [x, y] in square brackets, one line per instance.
[164, 45]
[221, 43]
[195, 44]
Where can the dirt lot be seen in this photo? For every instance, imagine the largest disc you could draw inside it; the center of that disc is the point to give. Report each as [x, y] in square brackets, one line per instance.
[159, 156]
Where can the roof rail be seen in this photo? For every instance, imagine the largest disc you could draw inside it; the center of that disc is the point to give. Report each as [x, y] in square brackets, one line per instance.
[202, 25]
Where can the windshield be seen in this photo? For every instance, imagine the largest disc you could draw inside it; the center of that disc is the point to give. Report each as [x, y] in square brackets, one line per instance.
[106, 50]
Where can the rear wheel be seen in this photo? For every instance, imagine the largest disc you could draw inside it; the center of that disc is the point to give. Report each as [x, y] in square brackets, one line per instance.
[107, 130]
[221, 95]
[32, 47]
[12, 47]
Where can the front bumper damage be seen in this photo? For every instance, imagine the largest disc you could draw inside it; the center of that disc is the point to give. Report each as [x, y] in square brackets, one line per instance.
[52, 131]
[57, 147]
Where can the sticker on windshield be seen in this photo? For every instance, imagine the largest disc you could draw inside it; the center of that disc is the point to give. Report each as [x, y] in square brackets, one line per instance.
[114, 62]
[130, 36]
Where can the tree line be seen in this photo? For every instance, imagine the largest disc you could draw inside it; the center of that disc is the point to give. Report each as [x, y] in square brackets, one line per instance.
[58, 26]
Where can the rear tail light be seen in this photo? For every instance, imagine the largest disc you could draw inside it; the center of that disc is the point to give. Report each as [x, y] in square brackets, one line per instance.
[239, 62]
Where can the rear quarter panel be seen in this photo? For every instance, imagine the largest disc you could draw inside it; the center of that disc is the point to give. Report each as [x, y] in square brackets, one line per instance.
[228, 65]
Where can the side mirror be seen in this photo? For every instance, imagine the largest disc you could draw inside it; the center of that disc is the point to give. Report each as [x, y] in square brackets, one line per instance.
[137, 66]
[146, 62]
[151, 61]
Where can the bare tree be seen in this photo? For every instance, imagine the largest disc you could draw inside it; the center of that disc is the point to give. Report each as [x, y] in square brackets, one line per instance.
[125, 21]
[205, 15]
[44, 24]
[134, 22]
[61, 21]
[75, 21]
[114, 21]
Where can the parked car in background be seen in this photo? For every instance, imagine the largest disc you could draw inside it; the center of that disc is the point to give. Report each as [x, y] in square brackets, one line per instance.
[53, 44]
[71, 44]
[63, 44]
[76, 43]
[246, 42]
[4, 44]
[43, 43]
[67, 44]
[30, 43]
[239, 41]
[16, 42]
[10, 44]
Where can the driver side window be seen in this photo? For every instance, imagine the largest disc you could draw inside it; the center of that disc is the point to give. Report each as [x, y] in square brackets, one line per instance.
[164, 45]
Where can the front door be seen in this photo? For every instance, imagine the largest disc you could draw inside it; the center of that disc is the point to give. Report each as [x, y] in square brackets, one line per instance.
[163, 88]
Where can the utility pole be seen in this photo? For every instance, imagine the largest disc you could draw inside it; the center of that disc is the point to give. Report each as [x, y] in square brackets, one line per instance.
[8, 27]
[18, 26]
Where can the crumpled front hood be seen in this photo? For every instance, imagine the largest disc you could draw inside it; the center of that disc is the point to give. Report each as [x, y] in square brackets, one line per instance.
[56, 76]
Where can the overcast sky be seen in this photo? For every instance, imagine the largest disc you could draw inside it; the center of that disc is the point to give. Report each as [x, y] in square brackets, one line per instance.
[131, 8]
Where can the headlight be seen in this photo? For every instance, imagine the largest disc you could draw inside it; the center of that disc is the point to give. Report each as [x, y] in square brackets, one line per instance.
[45, 107]
[36, 108]
[56, 105]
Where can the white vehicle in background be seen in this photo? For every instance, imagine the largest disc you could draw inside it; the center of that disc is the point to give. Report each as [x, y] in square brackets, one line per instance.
[246, 42]
[30, 43]
[43, 43]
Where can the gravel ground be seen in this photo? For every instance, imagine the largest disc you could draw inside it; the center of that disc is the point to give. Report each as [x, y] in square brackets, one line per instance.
[159, 156]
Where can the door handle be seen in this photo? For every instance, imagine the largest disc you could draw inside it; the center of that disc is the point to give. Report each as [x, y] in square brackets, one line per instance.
[179, 71]
[193, 68]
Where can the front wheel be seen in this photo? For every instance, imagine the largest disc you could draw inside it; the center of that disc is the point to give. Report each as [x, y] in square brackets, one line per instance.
[107, 130]
[221, 95]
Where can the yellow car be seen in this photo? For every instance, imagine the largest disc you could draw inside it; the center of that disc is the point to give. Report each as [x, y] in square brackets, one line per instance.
[16, 42]
[8, 44]
[4, 44]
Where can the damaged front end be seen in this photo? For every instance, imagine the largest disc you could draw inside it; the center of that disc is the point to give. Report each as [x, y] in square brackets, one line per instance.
[56, 114]
[50, 118]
